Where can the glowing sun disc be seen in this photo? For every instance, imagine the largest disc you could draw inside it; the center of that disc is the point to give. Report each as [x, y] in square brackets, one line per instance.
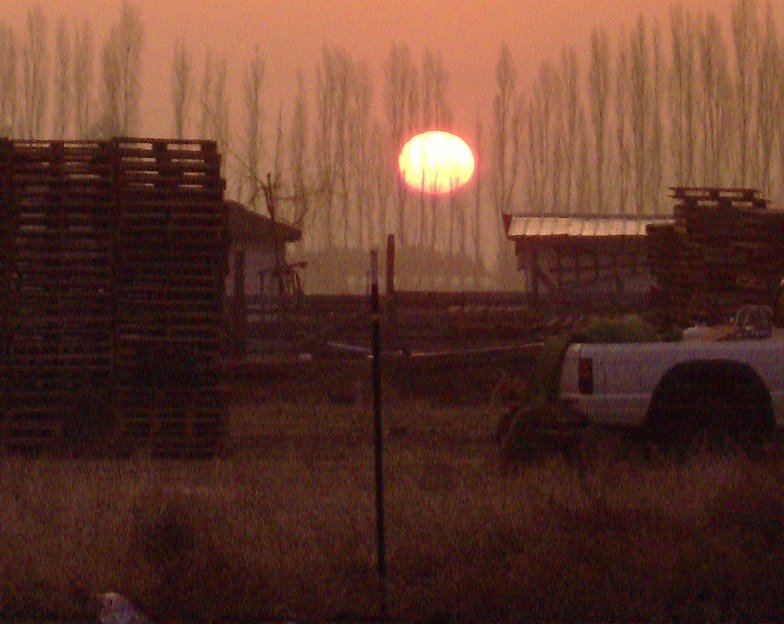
[436, 162]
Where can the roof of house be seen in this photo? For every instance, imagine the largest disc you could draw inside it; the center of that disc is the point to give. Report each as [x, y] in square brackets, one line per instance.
[246, 225]
[520, 226]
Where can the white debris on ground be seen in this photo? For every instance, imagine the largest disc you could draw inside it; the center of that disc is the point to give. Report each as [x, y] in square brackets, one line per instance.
[115, 609]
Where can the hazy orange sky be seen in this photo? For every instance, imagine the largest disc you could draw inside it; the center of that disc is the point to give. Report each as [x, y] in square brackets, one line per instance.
[292, 33]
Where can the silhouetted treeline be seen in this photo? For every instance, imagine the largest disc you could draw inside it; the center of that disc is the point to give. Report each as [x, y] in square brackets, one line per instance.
[695, 101]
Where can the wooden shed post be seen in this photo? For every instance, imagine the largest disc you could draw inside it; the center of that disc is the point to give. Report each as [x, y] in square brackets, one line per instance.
[390, 278]
[534, 268]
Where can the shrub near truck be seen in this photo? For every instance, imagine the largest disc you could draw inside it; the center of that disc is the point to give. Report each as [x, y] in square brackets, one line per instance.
[724, 382]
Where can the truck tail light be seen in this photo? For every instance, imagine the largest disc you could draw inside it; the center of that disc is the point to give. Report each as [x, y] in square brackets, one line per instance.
[585, 375]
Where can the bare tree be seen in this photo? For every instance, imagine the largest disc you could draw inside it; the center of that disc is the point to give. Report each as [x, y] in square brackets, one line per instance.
[401, 102]
[121, 65]
[34, 74]
[780, 122]
[451, 225]
[214, 115]
[768, 100]
[621, 130]
[277, 153]
[582, 193]
[341, 143]
[435, 114]
[326, 140]
[744, 36]
[476, 229]
[716, 93]
[63, 75]
[506, 134]
[8, 80]
[359, 149]
[571, 107]
[556, 140]
[342, 77]
[298, 152]
[181, 88]
[382, 176]
[655, 152]
[205, 98]
[254, 145]
[435, 80]
[598, 95]
[543, 157]
[220, 118]
[640, 110]
[82, 79]
[683, 100]
[322, 152]
[110, 117]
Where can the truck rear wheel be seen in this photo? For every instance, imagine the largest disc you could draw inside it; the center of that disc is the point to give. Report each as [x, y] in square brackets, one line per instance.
[723, 404]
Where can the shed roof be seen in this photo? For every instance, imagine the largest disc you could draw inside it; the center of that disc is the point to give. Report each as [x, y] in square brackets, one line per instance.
[520, 226]
[246, 225]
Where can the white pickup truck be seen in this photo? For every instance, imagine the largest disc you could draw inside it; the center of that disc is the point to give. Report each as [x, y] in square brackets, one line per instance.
[727, 381]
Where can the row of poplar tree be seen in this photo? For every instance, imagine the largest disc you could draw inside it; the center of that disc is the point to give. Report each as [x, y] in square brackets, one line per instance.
[698, 101]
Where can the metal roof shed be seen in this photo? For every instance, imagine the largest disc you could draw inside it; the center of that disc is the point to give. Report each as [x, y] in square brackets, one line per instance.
[573, 256]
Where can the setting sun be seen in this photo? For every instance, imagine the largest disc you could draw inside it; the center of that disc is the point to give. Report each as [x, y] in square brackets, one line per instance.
[436, 162]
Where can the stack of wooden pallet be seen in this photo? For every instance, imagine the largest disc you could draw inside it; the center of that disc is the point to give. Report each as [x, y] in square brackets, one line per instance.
[59, 326]
[720, 252]
[758, 261]
[171, 262]
[5, 269]
[112, 271]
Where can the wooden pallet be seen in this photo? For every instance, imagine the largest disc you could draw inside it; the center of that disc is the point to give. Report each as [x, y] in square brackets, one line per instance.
[172, 422]
[716, 194]
[722, 251]
[34, 415]
[173, 246]
[117, 249]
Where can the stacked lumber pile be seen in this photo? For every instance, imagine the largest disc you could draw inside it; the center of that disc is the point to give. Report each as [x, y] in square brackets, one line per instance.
[171, 262]
[5, 267]
[721, 251]
[112, 272]
[58, 207]
[758, 257]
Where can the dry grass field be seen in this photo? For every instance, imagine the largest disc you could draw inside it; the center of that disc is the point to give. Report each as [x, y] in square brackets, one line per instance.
[283, 526]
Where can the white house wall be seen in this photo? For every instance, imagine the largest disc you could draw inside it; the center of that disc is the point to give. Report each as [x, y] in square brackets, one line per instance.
[257, 259]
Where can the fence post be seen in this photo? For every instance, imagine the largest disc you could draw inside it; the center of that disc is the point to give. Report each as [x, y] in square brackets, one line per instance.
[375, 317]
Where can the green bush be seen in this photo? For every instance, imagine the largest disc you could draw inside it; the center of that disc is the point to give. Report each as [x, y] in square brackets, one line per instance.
[629, 328]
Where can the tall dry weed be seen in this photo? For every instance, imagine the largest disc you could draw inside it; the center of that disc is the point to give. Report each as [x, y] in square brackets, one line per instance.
[287, 535]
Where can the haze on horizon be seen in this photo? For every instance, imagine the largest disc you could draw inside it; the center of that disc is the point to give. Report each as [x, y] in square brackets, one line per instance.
[296, 44]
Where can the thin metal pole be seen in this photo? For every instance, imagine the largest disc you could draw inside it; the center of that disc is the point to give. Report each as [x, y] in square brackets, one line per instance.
[375, 317]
